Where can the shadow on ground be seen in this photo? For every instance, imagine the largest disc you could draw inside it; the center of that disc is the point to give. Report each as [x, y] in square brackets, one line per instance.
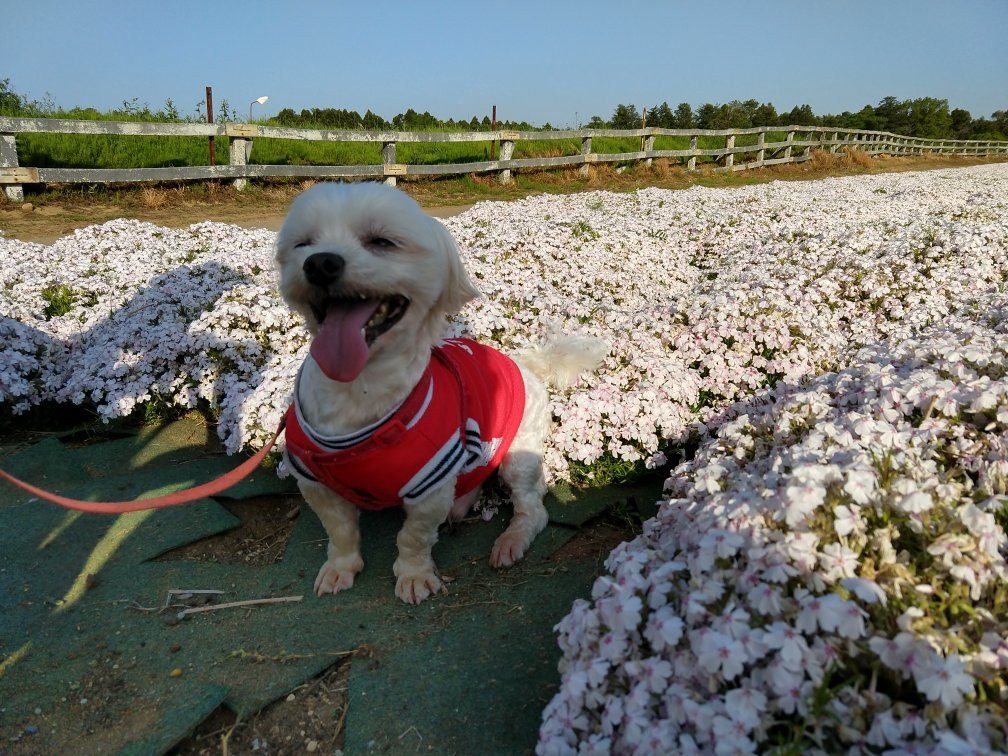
[91, 660]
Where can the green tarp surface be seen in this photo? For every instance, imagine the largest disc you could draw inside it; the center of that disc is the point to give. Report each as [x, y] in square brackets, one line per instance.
[87, 654]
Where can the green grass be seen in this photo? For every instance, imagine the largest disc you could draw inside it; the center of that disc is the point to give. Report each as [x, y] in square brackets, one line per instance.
[115, 151]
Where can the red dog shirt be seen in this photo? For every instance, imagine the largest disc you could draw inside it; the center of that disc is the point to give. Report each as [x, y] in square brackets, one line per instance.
[459, 420]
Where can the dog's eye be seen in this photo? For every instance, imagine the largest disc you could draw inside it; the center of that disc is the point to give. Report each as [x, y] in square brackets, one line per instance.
[303, 243]
[380, 242]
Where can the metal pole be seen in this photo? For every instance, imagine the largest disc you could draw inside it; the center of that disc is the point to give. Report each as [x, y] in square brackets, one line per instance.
[209, 119]
[493, 127]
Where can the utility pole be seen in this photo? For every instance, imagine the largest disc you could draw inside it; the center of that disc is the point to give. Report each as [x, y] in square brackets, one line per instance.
[209, 119]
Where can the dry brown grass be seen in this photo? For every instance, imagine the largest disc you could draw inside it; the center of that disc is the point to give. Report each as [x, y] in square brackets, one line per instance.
[153, 198]
[601, 173]
[846, 160]
[661, 168]
[858, 158]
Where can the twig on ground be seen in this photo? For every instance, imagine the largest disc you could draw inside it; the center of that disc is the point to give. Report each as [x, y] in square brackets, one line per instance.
[241, 653]
[471, 603]
[415, 732]
[186, 593]
[235, 604]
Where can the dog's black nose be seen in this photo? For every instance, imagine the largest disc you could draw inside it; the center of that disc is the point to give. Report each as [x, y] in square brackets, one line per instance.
[323, 268]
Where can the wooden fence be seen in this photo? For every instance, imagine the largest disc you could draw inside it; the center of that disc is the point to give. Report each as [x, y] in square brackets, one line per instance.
[797, 146]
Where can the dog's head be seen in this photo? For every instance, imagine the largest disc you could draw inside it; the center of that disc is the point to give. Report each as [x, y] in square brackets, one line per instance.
[369, 271]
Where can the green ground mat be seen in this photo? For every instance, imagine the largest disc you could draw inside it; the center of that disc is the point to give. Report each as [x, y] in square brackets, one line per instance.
[86, 658]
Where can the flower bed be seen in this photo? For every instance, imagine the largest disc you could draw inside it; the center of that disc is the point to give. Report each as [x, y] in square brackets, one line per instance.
[828, 572]
[795, 568]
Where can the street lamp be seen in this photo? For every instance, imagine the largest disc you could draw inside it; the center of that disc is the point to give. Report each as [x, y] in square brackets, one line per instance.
[260, 100]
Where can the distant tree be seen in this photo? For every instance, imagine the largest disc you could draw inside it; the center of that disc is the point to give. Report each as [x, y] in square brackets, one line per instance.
[800, 115]
[737, 114]
[894, 115]
[707, 115]
[962, 123]
[683, 118]
[662, 117]
[1000, 118]
[626, 117]
[170, 112]
[373, 122]
[596, 122]
[485, 123]
[929, 118]
[868, 119]
[11, 103]
[764, 115]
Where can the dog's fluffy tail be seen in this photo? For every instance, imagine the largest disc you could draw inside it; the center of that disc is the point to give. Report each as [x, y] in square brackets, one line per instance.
[562, 358]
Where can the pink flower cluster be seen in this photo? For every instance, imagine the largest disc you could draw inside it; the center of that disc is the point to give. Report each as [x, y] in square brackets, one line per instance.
[828, 572]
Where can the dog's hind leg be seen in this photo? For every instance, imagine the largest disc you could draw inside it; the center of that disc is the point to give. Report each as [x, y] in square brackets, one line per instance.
[339, 518]
[416, 574]
[522, 471]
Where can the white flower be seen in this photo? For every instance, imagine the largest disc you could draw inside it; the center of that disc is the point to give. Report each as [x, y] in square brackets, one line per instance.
[801, 500]
[860, 486]
[852, 621]
[746, 705]
[915, 503]
[789, 642]
[867, 590]
[945, 680]
[825, 611]
[846, 520]
[720, 653]
[838, 561]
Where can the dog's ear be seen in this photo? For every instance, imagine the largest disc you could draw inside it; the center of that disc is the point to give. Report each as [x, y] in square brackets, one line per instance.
[458, 288]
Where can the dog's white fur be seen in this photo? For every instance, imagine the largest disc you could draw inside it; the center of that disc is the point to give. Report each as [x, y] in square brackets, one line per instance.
[422, 264]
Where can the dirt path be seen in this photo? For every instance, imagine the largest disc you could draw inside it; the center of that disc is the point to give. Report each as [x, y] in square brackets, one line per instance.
[51, 215]
[45, 223]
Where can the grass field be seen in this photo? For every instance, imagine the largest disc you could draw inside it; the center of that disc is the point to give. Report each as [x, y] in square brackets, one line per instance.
[113, 151]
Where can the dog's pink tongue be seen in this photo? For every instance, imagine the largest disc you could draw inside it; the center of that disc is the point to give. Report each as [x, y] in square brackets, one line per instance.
[339, 347]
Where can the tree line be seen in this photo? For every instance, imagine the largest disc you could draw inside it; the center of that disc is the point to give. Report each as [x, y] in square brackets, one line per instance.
[925, 117]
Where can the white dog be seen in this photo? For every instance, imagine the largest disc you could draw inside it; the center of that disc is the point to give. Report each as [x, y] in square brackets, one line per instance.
[386, 412]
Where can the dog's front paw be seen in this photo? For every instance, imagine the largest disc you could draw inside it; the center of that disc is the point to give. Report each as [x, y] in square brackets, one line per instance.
[336, 575]
[414, 583]
[508, 548]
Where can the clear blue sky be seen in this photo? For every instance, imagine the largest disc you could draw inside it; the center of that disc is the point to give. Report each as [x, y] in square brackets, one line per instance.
[549, 60]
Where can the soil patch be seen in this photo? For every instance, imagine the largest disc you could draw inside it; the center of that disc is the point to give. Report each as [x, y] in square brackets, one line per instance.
[60, 210]
[46, 223]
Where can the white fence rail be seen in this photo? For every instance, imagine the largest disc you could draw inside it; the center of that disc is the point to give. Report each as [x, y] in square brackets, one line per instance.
[798, 143]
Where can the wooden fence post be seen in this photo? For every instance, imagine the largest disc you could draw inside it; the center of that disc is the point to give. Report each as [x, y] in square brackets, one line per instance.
[648, 146]
[240, 147]
[586, 145]
[388, 158]
[9, 159]
[729, 158]
[833, 142]
[787, 150]
[691, 165]
[761, 152]
[808, 148]
[507, 150]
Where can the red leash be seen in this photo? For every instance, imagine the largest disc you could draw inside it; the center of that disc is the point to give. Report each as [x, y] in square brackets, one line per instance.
[158, 502]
